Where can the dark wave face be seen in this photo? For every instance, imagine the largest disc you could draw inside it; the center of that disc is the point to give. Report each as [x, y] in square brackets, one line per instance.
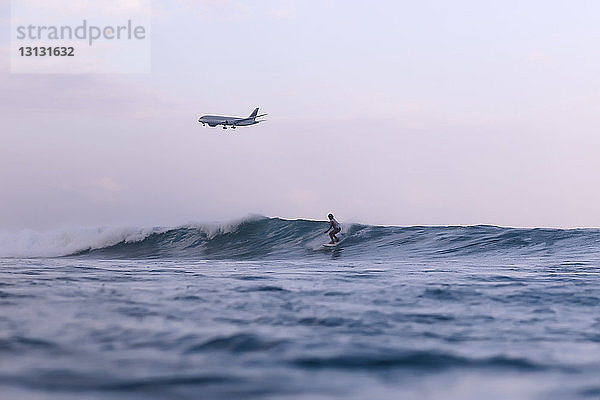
[260, 238]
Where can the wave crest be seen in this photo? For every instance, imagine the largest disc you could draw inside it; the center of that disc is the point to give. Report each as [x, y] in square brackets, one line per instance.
[261, 237]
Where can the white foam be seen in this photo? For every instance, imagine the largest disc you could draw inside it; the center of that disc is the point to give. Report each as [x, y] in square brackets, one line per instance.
[215, 229]
[29, 243]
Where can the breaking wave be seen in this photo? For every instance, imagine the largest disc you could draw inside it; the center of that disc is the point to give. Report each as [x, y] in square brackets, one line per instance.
[262, 237]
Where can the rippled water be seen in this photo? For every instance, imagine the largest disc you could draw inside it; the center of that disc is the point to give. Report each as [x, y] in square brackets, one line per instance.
[325, 326]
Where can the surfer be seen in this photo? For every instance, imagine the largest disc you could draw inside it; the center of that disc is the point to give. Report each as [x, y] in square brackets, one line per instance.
[336, 229]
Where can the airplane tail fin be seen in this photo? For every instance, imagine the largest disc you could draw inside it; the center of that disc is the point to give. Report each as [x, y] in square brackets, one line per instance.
[254, 113]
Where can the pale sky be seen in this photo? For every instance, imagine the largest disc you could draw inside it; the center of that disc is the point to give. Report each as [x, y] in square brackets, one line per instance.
[388, 112]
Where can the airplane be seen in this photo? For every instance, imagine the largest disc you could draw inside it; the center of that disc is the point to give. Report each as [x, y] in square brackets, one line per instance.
[234, 122]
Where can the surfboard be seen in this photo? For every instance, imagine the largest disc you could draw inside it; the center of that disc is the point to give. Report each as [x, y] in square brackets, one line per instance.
[331, 244]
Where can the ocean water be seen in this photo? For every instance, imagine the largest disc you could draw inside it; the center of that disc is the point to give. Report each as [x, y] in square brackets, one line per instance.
[259, 310]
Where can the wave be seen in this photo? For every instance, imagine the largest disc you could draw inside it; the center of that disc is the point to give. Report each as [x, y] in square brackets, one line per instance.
[262, 237]
[415, 360]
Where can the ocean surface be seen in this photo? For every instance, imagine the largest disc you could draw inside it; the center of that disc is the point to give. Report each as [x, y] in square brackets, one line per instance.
[260, 310]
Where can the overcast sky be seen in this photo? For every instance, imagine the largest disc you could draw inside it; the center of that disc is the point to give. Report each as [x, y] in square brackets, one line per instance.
[387, 112]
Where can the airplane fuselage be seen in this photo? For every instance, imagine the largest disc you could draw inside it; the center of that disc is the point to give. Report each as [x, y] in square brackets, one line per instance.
[233, 122]
[214, 120]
